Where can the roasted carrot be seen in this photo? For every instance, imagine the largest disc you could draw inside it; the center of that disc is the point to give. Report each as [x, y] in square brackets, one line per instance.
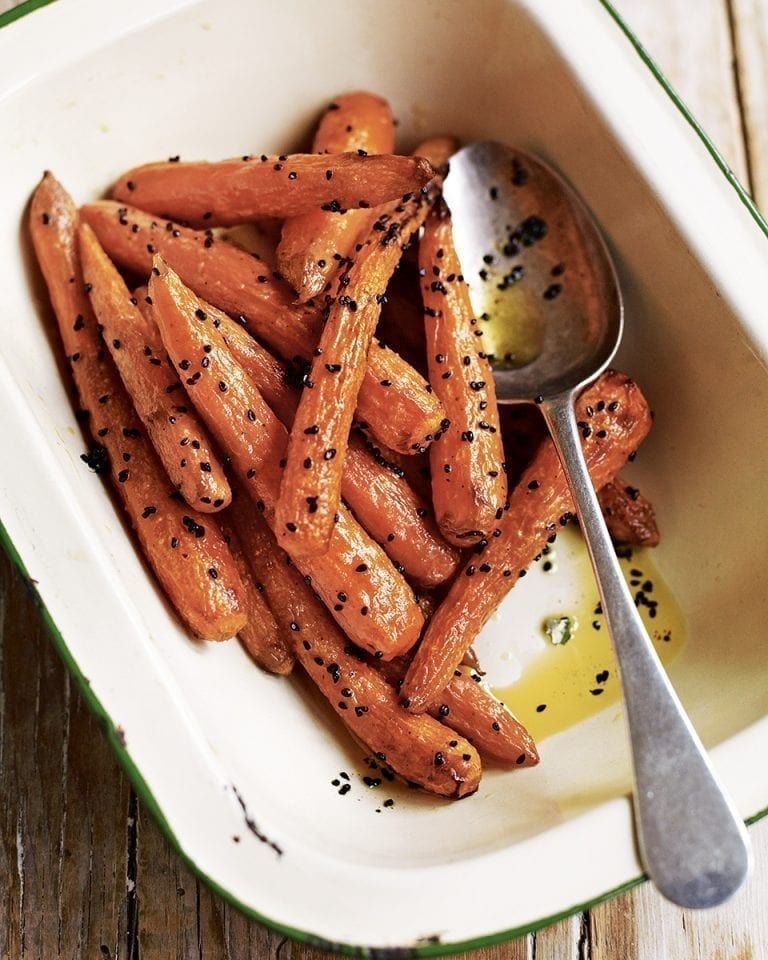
[467, 461]
[313, 244]
[428, 754]
[438, 151]
[619, 419]
[468, 707]
[236, 191]
[368, 598]
[179, 438]
[264, 641]
[402, 416]
[628, 514]
[320, 432]
[396, 516]
[186, 552]
[376, 489]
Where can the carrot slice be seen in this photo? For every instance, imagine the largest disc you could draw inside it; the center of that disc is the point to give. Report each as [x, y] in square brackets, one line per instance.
[377, 610]
[318, 442]
[236, 191]
[263, 639]
[628, 514]
[313, 244]
[469, 482]
[402, 416]
[619, 419]
[425, 753]
[187, 553]
[179, 438]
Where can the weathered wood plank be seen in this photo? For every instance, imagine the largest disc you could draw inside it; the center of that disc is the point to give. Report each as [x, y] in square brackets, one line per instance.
[692, 45]
[749, 20]
[63, 819]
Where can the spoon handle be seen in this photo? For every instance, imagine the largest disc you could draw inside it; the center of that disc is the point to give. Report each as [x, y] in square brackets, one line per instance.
[693, 844]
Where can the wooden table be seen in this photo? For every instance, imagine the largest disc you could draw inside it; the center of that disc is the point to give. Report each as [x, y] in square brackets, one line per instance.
[84, 871]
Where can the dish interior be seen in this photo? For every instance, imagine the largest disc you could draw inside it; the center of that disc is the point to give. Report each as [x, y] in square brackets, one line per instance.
[488, 73]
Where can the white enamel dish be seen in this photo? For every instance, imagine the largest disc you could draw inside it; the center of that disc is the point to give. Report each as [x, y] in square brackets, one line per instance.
[218, 750]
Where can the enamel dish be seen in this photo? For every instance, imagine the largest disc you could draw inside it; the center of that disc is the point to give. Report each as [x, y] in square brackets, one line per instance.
[238, 767]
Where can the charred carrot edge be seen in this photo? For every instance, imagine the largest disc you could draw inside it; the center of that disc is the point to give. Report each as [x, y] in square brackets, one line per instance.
[628, 514]
[187, 553]
[377, 609]
[263, 639]
[467, 459]
[311, 245]
[318, 441]
[180, 440]
[403, 416]
[430, 755]
[469, 708]
[619, 419]
[235, 191]
[377, 491]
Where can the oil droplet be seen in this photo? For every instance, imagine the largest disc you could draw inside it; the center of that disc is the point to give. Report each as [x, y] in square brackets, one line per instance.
[551, 687]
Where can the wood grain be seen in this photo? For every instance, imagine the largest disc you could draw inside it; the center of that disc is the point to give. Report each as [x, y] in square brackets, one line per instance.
[86, 873]
[749, 28]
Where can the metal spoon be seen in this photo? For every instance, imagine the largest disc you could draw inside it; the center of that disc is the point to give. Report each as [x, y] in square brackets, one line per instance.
[541, 276]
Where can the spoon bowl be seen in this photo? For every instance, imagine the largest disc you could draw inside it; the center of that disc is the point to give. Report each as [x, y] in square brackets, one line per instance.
[535, 259]
[543, 285]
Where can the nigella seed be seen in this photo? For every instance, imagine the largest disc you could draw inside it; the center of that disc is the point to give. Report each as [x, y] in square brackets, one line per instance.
[439, 759]
[307, 463]
[213, 573]
[291, 527]
[329, 454]
[313, 429]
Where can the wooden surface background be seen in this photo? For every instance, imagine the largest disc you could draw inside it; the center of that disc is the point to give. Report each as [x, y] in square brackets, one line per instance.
[84, 871]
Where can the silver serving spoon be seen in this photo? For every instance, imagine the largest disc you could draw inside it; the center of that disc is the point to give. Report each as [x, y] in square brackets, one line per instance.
[542, 278]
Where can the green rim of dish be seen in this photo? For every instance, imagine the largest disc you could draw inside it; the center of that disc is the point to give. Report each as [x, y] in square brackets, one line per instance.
[427, 949]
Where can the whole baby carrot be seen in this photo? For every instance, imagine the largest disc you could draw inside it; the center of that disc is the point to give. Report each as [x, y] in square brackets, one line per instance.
[184, 549]
[314, 244]
[237, 191]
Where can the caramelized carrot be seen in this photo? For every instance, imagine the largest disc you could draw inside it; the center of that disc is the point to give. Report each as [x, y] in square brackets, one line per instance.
[469, 708]
[187, 553]
[619, 417]
[265, 642]
[396, 516]
[368, 598]
[377, 491]
[236, 191]
[320, 432]
[467, 462]
[426, 753]
[313, 244]
[628, 514]
[179, 438]
[402, 416]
